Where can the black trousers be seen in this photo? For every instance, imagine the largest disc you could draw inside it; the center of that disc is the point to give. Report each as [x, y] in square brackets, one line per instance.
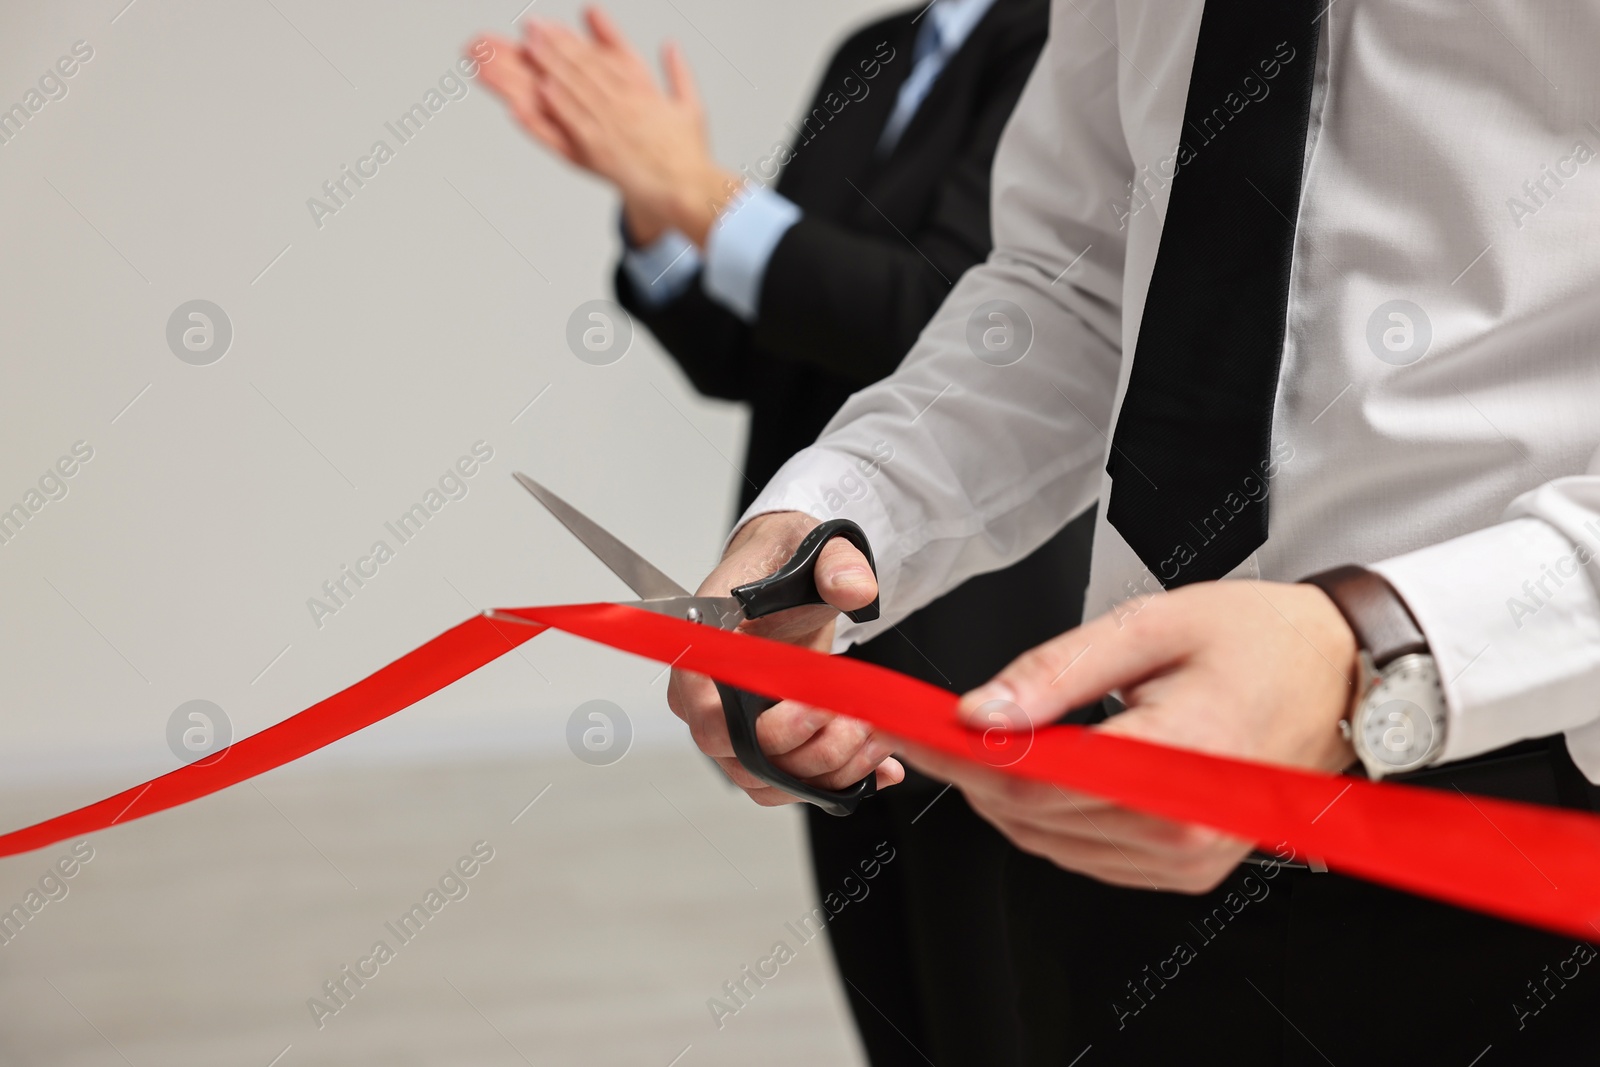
[923, 958]
[1282, 965]
[923, 954]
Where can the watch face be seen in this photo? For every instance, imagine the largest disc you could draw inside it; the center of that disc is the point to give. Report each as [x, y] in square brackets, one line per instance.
[1402, 718]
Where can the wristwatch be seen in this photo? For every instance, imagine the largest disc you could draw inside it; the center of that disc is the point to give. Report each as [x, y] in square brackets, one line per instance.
[1398, 718]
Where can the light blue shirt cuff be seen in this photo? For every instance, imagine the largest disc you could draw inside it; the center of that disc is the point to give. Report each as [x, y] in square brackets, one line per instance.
[741, 243]
[663, 271]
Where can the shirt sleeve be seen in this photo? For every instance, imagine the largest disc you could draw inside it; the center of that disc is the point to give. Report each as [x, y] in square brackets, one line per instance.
[741, 243]
[663, 271]
[964, 461]
[1512, 617]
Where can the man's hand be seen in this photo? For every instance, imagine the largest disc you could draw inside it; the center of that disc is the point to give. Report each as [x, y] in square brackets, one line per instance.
[808, 743]
[1253, 670]
[594, 101]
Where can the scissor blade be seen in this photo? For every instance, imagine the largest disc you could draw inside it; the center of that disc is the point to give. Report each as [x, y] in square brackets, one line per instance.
[639, 573]
[723, 612]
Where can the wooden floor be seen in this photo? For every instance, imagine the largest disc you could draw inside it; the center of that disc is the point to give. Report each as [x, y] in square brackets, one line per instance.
[612, 910]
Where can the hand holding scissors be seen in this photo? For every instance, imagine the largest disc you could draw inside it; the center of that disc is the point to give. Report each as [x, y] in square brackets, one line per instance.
[789, 583]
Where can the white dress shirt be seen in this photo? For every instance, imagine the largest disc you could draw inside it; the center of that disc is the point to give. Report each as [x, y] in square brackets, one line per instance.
[1451, 166]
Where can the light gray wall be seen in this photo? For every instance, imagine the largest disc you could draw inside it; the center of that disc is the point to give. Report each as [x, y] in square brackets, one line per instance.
[367, 356]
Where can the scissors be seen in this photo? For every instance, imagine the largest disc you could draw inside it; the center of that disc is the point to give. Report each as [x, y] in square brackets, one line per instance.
[790, 586]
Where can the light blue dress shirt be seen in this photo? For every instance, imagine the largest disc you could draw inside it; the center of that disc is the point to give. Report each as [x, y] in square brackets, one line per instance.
[744, 237]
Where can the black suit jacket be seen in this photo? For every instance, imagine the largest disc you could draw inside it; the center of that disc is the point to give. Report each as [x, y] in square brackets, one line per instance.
[850, 286]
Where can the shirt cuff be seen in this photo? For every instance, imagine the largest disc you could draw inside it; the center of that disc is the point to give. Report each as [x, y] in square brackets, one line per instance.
[1513, 622]
[740, 244]
[827, 485]
[663, 271]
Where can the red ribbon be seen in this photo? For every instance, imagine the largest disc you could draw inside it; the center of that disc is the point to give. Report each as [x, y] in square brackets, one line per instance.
[1524, 862]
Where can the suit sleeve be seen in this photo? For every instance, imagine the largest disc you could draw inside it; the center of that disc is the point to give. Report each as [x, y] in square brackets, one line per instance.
[852, 304]
[707, 340]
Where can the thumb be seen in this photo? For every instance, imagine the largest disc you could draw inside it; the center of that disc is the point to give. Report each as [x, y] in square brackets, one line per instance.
[843, 576]
[1074, 669]
[680, 79]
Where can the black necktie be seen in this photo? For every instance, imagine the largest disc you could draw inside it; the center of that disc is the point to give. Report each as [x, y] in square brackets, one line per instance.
[1191, 460]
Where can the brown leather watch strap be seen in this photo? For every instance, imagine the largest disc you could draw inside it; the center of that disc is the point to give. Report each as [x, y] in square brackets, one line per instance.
[1382, 623]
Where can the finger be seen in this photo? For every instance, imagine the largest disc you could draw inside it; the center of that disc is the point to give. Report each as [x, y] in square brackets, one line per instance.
[977, 777]
[889, 773]
[531, 28]
[534, 116]
[782, 729]
[499, 49]
[788, 725]
[694, 699]
[511, 76]
[1095, 859]
[1113, 651]
[768, 797]
[1045, 809]
[542, 50]
[840, 754]
[630, 65]
[546, 130]
[576, 62]
[843, 576]
[507, 72]
[738, 775]
[1088, 853]
[680, 78]
[965, 774]
[604, 29]
[1148, 838]
[1196, 872]
[608, 33]
[570, 112]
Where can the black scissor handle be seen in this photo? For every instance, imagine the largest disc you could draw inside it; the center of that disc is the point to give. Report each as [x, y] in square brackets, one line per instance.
[793, 585]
